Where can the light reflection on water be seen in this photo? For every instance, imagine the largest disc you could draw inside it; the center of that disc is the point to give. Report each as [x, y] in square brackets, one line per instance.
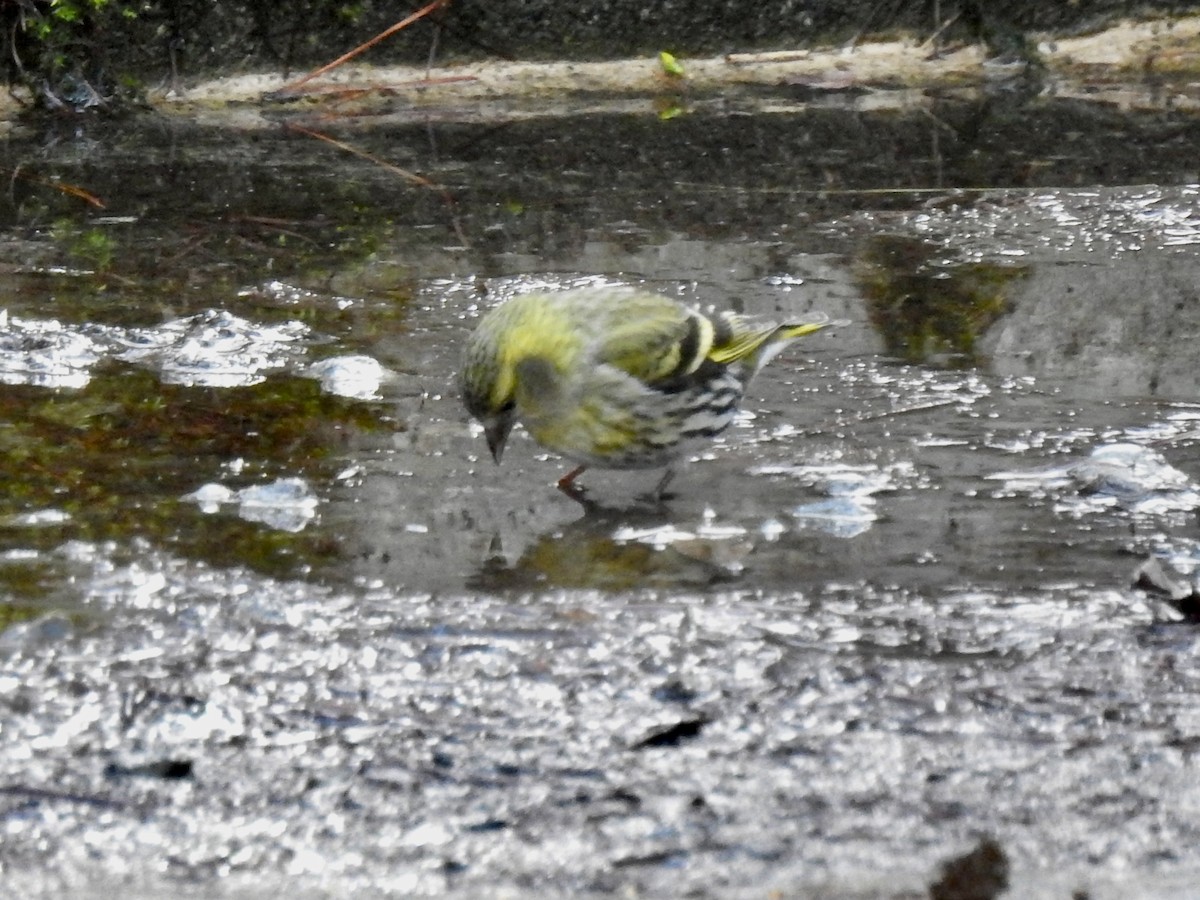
[214, 349]
[1081, 225]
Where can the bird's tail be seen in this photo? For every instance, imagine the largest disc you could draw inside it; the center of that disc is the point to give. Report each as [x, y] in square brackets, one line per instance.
[789, 331]
[755, 346]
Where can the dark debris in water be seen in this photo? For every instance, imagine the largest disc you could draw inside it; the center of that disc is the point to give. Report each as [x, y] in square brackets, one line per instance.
[672, 735]
[1180, 594]
[166, 769]
[980, 874]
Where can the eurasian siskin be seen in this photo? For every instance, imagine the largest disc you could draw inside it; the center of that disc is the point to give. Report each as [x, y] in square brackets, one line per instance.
[614, 377]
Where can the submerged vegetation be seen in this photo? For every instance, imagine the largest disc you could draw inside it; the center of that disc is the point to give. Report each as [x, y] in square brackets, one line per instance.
[107, 460]
[929, 309]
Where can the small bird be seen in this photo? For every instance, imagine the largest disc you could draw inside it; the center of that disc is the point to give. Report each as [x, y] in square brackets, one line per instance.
[614, 377]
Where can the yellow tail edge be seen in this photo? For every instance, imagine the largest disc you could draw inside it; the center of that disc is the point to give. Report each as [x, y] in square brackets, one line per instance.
[800, 329]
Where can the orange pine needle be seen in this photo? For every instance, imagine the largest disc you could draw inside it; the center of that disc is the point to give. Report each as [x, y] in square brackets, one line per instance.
[363, 154]
[346, 57]
[70, 190]
[411, 177]
[73, 191]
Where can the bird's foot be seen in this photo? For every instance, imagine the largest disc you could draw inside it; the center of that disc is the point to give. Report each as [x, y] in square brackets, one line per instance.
[659, 496]
[576, 492]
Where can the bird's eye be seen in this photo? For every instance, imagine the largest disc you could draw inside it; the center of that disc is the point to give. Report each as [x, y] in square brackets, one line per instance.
[508, 407]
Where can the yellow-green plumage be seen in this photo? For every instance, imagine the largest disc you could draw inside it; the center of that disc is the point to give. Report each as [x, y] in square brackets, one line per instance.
[613, 377]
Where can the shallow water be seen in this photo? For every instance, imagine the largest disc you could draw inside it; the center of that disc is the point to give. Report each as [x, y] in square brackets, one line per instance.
[275, 619]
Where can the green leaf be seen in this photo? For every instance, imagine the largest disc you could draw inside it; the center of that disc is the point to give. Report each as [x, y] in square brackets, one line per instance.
[670, 64]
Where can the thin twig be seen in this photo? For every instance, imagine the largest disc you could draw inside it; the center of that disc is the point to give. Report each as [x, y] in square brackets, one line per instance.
[767, 57]
[932, 40]
[903, 411]
[39, 794]
[411, 177]
[357, 90]
[345, 57]
[69, 189]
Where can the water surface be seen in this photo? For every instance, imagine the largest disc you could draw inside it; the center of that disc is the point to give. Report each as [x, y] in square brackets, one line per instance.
[275, 618]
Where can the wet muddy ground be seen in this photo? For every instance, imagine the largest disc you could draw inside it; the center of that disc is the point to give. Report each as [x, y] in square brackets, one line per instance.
[275, 622]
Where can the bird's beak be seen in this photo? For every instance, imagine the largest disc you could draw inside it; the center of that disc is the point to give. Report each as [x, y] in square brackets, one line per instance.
[496, 432]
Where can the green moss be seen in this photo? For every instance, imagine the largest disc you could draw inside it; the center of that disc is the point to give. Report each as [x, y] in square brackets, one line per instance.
[927, 309]
[95, 247]
[28, 579]
[117, 456]
[15, 613]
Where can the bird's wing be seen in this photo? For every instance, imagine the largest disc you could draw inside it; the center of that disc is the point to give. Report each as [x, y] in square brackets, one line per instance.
[657, 340]
[652, 338]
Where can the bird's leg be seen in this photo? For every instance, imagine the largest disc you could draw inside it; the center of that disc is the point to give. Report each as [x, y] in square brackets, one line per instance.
[660, 490]
[567, 484]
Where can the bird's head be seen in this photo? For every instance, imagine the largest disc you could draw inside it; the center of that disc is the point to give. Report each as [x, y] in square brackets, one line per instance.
[489, 392]
[515, 366]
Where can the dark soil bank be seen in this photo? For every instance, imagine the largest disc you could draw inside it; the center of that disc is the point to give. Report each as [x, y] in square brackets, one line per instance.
[101, 48]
